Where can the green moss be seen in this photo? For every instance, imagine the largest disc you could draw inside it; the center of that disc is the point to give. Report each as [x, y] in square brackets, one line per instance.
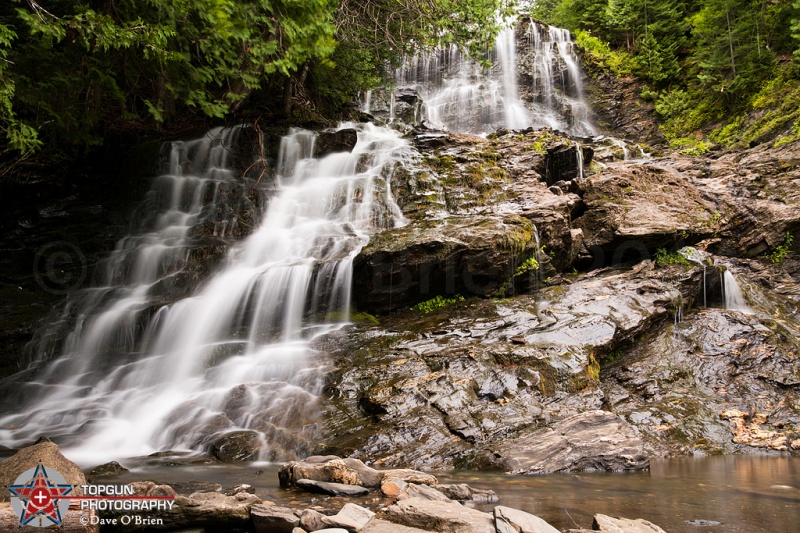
[690, 146]
[434, 304]
[619, 62]
[662, 257]
[365, 319]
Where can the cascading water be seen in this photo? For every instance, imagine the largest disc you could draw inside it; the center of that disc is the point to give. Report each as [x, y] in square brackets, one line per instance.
[235, 357]
[555, 80]
[732, 296]
[461, 95]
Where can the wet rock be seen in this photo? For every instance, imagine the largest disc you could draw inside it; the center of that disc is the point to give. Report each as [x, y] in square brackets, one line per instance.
[209, 510]
[440, 516]
[608, 524]
[423, 492]
[237, 447]
[312, 520]
[332, 489]
[508, 520]
[328, 142]
[351, 517]
[48, 454]
[333, 469]
[402, 267]
[717, 382]
[591, 441]
[632, 210]
[463, 492]
[565, 163]
[107, 470]
[273, 519]
[704, 523]
[444, 389]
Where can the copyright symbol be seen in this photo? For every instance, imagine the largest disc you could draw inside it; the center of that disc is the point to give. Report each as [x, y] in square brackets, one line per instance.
[84, 520]
[59, 267]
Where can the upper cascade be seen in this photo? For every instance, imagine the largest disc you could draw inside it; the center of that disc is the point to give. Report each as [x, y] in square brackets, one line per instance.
[534, 81]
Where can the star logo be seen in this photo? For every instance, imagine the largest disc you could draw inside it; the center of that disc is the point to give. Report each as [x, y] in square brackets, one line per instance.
[39, 495]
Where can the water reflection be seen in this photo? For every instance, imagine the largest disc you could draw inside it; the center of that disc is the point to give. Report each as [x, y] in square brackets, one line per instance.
[745, 494]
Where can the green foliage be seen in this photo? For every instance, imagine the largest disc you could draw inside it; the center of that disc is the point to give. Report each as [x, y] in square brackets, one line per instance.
[618, 62]
[707, 60]
[434, 304]
[782, 250]
[662, 258]
[527, 266]
[70, 72]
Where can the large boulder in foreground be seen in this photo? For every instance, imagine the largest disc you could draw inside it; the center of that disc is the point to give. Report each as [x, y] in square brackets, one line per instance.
[50, 456]
[590, 441]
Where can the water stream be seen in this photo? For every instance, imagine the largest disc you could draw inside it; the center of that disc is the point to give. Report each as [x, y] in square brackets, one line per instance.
[235, 355]
[744, 494]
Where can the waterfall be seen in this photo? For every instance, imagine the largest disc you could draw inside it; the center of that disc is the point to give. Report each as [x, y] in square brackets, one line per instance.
[732, 295]
[237, 354]
[555, 86]
[537, 85]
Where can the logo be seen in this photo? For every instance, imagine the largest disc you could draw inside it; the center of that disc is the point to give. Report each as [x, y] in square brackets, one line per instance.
[41, 498]
[38, 497]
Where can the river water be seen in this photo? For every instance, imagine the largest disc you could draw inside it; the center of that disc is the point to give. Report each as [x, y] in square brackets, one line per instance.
[745, 494]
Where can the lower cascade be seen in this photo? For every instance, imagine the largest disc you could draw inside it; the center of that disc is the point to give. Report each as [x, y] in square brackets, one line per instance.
[234, 359]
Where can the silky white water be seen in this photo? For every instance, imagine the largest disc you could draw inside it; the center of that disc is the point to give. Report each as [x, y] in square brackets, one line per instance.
[461, 95]
[732, 296]
[236, 354]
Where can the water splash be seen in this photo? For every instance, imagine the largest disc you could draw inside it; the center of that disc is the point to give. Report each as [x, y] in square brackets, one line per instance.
[237, 354]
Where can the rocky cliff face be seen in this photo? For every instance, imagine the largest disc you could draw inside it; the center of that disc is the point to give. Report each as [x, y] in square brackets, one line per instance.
[529, 348]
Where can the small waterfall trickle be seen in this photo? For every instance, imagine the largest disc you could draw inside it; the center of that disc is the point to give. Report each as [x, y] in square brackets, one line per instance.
[732, 296]
[366, 105]
[235, 356]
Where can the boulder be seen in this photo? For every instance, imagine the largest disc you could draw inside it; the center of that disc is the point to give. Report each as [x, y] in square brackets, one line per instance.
[107, 470]
[439, 516]
[333, 469]
[312, 520]
[424, 492]
[330, 470]
[332, 489]
[463, 492]
[608, 524]
[201, 510]
[46, 453]
[328, 142]
[508, 520]
[464, 255]
[273, 519]
[590, 441]
[237, 447]
[351, 517]
[632, 210]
